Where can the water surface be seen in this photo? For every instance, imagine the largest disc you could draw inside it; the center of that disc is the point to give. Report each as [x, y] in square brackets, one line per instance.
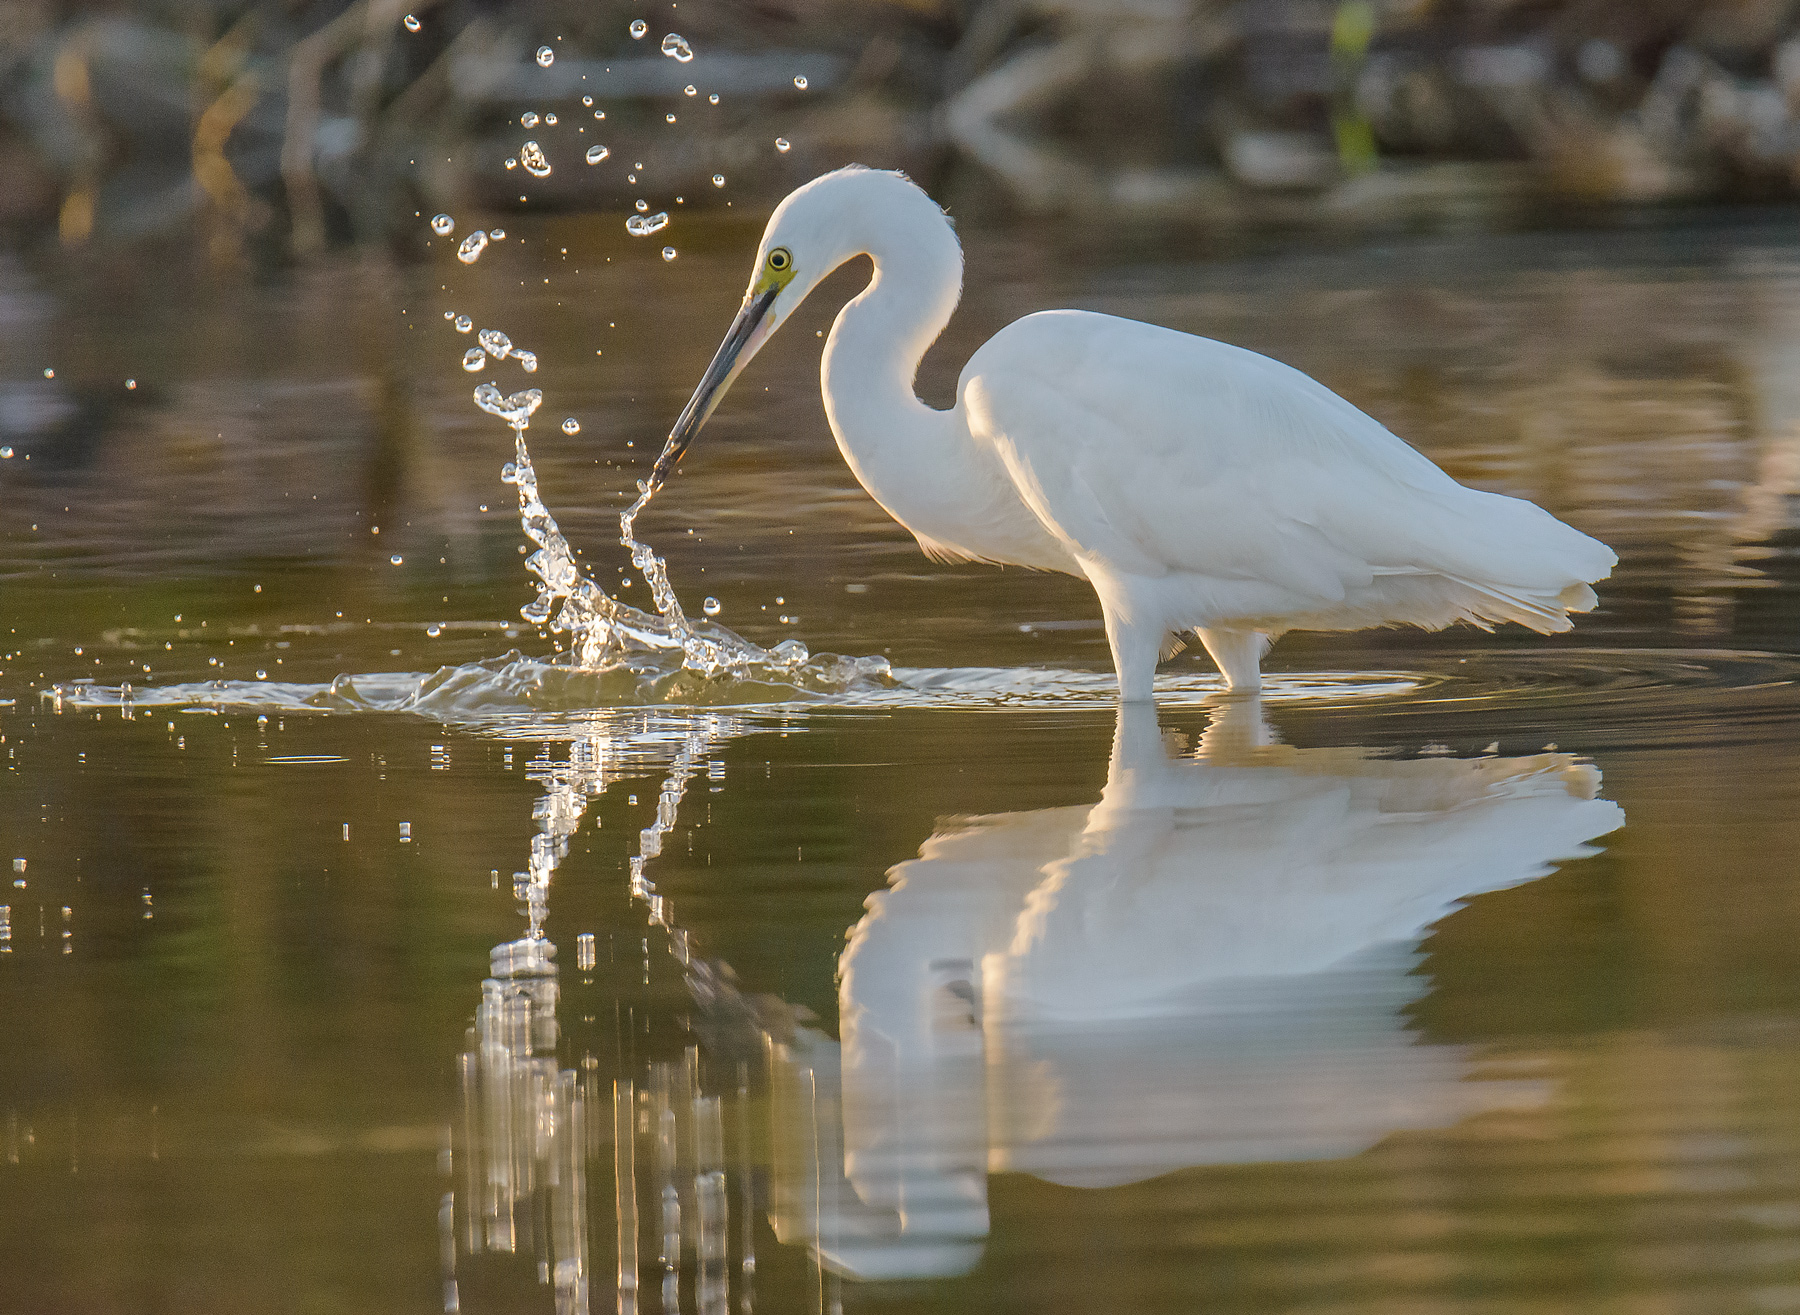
[1457, 973]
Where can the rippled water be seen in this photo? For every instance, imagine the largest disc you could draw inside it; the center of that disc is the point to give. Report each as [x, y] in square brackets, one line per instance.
[1459, 972]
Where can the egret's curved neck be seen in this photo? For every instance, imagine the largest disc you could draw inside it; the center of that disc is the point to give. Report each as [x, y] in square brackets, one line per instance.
[874, 351]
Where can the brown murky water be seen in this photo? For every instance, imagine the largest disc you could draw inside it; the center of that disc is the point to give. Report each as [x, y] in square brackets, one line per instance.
[1459, 973]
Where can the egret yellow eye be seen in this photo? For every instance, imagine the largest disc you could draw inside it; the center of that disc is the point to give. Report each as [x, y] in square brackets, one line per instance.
[779, 259]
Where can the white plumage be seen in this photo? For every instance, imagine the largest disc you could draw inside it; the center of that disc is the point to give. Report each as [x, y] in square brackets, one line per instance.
[1196, 485]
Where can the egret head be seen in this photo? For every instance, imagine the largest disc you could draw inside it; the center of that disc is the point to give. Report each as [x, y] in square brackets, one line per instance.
[834, 218]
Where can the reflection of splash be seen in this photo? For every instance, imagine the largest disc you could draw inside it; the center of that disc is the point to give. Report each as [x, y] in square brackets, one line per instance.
[530, 1127]
[1209, 966]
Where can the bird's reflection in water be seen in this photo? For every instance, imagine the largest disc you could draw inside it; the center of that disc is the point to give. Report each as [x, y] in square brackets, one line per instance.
[1209, 966]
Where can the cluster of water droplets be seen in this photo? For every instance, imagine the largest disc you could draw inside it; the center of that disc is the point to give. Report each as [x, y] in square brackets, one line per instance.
[603, 631]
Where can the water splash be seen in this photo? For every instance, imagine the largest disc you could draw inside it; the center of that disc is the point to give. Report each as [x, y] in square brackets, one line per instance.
[676, 47]
[472, 247]
[605, 633]
[644, 225]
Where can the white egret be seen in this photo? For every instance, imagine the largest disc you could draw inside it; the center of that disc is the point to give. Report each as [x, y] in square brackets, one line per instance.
[1196, 485]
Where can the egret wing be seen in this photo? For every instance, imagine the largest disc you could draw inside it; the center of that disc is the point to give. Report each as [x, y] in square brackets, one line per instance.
[1158, 451]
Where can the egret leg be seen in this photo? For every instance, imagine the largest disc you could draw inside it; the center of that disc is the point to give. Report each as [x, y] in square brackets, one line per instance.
[1238, 654]
[1134, 649]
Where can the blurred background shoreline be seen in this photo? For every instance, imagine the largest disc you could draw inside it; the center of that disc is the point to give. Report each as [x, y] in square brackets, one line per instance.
[276, 131]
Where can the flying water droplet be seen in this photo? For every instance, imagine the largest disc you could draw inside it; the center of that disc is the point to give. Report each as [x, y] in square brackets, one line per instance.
[443, 225]
[713, 99]
[5, 454]
[527, 360]
[668, 118]
[515, 410]
[464, 323]
[396, 559]
[496, 343]
[474, 359]
[781, 144]
[262, 675]
[545, 57]
[512, 162]
[638, 28]
[595, 154]
[710, 606]
[642, 205]
[434, 630]
[599, 114]
[690, 90]
[643, 225]
[571, 426]
[675, 46]
[669, 253]
[498, 234]
[531, 155]
[529, 118]
[718, 180]
[588, 101]
[472, 246]
[550, 119]
[411, 24]
[800, 82]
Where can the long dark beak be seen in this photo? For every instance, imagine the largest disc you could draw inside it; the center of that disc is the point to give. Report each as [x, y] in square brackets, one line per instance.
[726, 362]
